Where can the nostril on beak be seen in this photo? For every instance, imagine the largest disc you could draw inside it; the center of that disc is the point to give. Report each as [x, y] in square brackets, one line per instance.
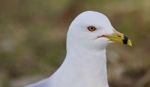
[119, 36]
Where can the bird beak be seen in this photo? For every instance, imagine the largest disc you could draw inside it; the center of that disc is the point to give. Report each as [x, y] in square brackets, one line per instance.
[118, 37]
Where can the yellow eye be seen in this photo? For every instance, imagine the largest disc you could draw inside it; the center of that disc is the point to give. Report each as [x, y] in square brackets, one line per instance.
[91, 28]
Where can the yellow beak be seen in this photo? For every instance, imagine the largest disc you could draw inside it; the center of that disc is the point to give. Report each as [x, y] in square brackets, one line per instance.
[119, 37]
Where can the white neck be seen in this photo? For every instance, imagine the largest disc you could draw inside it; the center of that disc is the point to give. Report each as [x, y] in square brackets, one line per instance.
[82, 68]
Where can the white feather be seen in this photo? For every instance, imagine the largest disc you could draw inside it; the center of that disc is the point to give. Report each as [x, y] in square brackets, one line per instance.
[85, 62]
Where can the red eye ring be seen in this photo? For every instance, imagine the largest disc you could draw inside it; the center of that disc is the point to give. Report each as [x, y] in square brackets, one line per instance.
[91, 28]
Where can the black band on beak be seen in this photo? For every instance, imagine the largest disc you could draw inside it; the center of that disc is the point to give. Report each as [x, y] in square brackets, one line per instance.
[125, 39]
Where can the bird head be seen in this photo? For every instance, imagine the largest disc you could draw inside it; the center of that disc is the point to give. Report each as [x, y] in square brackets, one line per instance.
[94, 30]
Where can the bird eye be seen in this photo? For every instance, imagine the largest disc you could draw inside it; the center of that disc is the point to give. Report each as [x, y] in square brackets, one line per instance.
[91, 28]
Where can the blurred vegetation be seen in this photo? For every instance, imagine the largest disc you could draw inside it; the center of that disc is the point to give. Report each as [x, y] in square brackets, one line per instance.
[33, 32]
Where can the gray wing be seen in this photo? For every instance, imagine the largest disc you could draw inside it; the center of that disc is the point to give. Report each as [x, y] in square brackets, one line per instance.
[43, 83]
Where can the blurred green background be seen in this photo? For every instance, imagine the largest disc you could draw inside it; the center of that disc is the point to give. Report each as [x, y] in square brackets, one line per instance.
[33, 37]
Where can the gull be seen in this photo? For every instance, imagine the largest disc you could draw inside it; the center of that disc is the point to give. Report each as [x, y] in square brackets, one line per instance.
[85, 62]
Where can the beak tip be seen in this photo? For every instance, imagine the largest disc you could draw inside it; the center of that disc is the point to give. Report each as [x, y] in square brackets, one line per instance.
[130, 43]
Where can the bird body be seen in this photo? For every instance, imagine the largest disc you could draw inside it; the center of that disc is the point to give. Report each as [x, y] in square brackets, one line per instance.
[85, 62]
[80, 73]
